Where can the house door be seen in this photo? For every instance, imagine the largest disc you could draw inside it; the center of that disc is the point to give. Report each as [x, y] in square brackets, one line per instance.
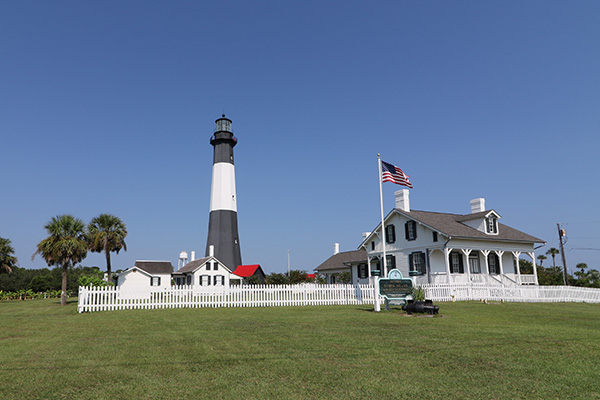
[474, 264]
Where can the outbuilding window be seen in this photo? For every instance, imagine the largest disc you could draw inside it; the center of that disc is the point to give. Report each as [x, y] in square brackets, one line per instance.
[204, 280]
[219, 280]
[155, 281]
[362, 271]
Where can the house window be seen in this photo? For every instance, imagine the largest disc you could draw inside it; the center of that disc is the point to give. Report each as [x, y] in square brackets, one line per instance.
[219, 280]
[474, 266]
[492, 224]
[417, 263]
[410, 229]
[372, 246]
[208, 266]
[456, 263]
[188, 279]
[390, 261]
[155, 281]
[435, 236]
[215, 266]
[204, 280]
[362, 271]
[493, 263]
[390, 234]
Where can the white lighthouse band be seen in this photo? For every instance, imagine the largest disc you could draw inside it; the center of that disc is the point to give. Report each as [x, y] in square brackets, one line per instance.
[222, 194]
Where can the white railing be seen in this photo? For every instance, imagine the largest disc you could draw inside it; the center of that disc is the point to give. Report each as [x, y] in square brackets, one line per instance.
[111, 298]
[530, 293]
[93, 299]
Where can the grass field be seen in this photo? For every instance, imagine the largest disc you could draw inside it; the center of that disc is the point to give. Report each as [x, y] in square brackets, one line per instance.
[473, 351]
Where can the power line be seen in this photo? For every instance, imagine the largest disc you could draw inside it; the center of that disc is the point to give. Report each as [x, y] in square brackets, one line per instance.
[583, 248]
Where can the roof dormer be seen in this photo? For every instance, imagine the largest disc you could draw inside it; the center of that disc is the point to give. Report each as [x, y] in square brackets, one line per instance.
[485, 221]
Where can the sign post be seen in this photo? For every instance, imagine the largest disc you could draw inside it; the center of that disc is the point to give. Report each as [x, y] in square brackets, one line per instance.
[375, 274]
[394, 288]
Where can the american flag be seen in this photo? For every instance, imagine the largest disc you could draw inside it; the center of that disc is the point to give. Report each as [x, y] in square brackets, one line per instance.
[391, 173]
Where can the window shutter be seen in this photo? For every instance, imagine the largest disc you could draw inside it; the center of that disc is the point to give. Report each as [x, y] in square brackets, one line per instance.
[390, 234]
[406, 230]
[460, 263]
[423, 265]
[411, 263]
[158, 281]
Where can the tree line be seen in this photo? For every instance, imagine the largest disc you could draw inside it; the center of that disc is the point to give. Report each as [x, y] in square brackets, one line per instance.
[68, 243]
[554, 275]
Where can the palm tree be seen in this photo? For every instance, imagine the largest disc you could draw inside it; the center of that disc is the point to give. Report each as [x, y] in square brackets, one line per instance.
[553, 252]
[106, 234]
[541, 257]
[66, 245]
[582, 267]
[7, 260]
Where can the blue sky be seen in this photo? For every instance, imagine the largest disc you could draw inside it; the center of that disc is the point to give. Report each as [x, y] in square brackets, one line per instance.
[108, 107]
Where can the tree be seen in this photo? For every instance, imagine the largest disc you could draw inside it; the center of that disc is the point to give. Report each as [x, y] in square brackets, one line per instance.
[107, 234]
[542, 257]
[66, 245]
[553, 252]
[582, 267]
[7, 260]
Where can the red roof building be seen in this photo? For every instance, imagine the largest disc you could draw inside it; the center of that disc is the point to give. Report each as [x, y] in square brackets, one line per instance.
[246, 271]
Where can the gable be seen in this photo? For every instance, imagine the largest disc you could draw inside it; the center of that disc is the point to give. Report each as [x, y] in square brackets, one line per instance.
[194, 266]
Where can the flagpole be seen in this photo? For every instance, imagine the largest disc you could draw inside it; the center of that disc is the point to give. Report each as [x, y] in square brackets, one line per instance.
[382, 265]
[381, 204]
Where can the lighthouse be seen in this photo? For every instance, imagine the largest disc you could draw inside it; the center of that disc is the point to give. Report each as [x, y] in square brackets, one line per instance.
[223, 239]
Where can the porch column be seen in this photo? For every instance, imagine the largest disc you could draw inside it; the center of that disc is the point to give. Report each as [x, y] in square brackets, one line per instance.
[500, 253]
[447, 262]
[516, 255]
[466, 253]
[532, 255]
[368, 267]
[485, 254]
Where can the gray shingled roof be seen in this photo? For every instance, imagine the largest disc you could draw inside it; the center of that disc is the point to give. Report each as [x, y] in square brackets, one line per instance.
[155, 267]
[192, 265]
[339, 260]
[450, 225]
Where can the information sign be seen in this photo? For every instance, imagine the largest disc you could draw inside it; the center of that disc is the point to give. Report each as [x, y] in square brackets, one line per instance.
[394, 287]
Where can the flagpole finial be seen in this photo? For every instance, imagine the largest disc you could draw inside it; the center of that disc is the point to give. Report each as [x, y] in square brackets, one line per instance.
[378, 155]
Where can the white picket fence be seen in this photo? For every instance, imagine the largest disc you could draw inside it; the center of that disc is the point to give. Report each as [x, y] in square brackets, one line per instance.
[93, 299]
[514, 293]
[111, 298]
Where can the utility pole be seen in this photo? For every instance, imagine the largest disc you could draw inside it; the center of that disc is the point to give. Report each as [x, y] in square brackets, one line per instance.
[562, 233]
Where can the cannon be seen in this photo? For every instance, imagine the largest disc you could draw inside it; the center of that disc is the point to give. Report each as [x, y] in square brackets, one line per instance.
[422, 307]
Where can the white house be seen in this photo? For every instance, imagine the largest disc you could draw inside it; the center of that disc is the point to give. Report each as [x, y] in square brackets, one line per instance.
[354, 262]
[436, 247]
[207, 271]
[145, 275]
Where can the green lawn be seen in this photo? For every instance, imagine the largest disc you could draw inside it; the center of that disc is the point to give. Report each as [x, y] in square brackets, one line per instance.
[473, 351]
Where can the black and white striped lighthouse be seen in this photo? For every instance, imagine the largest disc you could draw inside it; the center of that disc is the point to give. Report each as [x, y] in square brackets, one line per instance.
[223, 241]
